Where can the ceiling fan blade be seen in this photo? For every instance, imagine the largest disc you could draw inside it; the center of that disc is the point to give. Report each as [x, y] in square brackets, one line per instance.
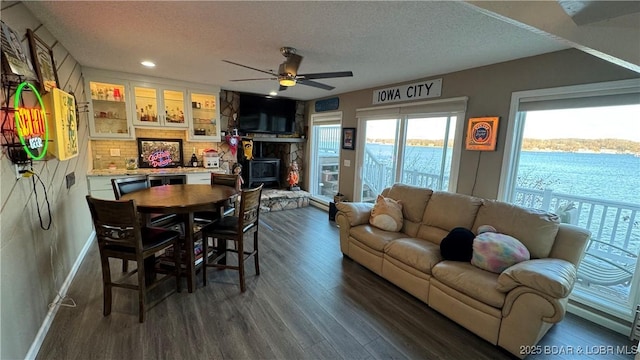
[249, 67]
[282, 88]
[315, 84]
[254, 79]
[327, 75]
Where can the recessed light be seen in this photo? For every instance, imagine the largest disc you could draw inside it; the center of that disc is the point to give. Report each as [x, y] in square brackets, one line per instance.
[273, 93]
[148, 64]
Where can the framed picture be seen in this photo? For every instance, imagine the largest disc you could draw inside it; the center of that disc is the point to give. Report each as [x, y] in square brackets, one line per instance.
[14, 57]
[45, 65]
[349, 138]
[482, 133]
[159, 153]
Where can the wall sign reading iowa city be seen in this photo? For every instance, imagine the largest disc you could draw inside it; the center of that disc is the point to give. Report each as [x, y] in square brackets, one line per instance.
[420, 90]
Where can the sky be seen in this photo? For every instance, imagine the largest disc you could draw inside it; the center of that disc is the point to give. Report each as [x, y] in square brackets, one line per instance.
[616, 122]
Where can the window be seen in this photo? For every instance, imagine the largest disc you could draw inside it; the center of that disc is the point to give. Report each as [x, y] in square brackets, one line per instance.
[413, 144]
[325, 156]
[575, 151]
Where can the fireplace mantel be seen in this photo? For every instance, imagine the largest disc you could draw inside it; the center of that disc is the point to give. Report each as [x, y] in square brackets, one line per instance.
[278, 140]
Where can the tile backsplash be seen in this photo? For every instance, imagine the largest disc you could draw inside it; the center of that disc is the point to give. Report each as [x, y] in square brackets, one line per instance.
[101, 149]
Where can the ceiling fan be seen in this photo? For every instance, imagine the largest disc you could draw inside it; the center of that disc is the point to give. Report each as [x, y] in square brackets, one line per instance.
[287, 74]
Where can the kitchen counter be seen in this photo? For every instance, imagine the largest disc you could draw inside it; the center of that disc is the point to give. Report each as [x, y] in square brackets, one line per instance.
[167, 171]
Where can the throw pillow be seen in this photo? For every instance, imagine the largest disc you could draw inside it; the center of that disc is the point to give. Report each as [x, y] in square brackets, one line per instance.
[386, 214]
[457, 245]
[495, 252]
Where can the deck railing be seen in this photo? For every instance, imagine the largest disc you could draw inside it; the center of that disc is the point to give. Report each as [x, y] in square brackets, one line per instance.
[611, 222]
[377, 175]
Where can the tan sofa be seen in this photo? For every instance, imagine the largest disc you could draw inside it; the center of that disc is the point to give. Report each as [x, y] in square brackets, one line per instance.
[512, 309]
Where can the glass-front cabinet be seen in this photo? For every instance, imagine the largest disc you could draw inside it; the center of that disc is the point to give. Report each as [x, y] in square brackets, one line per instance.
[108, 110]
[204, 124]
[159, 107]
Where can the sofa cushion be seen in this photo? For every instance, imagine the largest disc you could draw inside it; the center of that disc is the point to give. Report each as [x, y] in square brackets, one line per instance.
[374, 237]
[457, 245]
[386, 214]
[495, 252]
[471, 281]
[534, 228]
[446, 211]
[420, 254]
[414, 200]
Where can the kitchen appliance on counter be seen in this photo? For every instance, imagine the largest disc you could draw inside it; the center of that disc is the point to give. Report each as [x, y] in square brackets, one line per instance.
[210, 159]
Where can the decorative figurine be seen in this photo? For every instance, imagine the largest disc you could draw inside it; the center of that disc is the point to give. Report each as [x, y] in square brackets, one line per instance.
[247, 145]
[237, 170]
[293, 177]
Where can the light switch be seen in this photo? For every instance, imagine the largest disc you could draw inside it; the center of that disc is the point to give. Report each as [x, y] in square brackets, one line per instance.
[114, 152]
[347, 163]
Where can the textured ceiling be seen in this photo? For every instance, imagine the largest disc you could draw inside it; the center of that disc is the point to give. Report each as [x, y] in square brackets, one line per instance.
[381, 42]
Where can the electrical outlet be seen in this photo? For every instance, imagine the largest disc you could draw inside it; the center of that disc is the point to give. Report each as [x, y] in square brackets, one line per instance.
[20, 171]
[71, 179]
[114, 152]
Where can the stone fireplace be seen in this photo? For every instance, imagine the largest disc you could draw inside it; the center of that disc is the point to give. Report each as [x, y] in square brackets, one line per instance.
[272, 157]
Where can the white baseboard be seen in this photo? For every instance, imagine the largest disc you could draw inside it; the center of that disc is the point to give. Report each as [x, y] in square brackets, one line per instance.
[599, 319]
[46, 324]
[319, 205]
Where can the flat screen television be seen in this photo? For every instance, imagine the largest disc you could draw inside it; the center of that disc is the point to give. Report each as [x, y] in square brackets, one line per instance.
[260, 114]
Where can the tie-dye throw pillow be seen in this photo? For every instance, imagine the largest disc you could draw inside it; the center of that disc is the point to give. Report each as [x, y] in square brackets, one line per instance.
[495, 252]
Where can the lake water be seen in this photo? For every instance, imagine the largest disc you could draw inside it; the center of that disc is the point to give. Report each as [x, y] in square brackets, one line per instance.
[601, 176]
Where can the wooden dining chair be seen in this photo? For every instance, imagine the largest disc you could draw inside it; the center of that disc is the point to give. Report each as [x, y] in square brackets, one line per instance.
[228, 180]
[125, 185]
[120, 235]
[229, 207]
[234, 228]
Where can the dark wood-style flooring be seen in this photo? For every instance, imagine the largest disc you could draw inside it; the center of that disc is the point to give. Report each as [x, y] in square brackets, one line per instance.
[309, 302]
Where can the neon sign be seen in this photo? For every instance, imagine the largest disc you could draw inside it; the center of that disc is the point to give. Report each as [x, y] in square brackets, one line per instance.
[31, 125]
[160, 158]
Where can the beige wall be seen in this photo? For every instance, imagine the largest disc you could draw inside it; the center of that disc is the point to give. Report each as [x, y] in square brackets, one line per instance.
[34, 263]
[489, 90]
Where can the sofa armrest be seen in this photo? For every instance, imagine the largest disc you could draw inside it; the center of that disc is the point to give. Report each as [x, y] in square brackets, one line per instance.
[351, 214]
[355, 213]
[553, 277]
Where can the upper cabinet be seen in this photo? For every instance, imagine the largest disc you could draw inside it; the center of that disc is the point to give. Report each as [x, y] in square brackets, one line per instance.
[159, 106]
[108, 111]
[204, 117]
[120, 102]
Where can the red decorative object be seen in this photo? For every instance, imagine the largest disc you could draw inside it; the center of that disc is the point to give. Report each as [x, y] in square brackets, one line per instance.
[233, 141]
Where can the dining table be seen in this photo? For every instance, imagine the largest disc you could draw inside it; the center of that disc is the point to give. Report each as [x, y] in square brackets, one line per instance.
[184, 200]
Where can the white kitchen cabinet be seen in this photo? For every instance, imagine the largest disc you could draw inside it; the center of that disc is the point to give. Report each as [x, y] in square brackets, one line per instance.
[159, 105]
[109, 115]
[100, 187]
[203, 177]
[204, 116]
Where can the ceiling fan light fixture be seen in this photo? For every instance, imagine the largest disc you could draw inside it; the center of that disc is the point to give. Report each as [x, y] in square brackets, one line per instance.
[287, 80]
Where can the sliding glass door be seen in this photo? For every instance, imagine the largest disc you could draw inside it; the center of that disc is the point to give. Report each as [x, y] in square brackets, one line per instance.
[324, 156]
[413, 145]
[380, 157]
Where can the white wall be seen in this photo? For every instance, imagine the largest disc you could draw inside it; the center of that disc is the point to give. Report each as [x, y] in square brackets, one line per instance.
[34, 263]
